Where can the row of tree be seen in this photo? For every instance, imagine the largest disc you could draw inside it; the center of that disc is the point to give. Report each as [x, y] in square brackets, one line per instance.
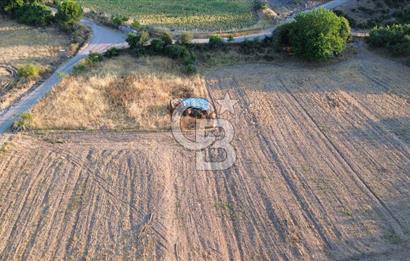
[36, 13]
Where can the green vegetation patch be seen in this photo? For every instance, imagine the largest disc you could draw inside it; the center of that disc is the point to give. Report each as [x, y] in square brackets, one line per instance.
[183, 14]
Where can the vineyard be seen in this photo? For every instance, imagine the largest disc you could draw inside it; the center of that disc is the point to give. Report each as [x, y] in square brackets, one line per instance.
[184, 14]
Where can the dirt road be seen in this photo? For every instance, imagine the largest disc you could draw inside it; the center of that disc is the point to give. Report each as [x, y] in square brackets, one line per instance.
[322, 174]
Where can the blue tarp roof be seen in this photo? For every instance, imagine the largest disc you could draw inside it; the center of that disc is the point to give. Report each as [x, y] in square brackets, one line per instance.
[197, 103]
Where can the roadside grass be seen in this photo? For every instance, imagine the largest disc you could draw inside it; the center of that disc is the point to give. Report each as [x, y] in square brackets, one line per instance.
[22, 45]
[185, 14]
[120, 93]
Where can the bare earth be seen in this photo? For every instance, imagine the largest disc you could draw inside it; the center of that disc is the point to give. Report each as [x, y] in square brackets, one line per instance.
[322, 173]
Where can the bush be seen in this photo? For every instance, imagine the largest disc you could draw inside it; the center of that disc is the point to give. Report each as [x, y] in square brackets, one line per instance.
[186, 38]
[79, 68]
[112, 52]
[34, 14]
[119, 19]
[215, 41]
[395, 38]
[282, 36]
[166, 37]
[94, 58]
[249, 47]
[177, 52]
[24, 121]
[132, 40]
[319, 34]
[190, 69]
[136, 25]
[30, 71]
[143, 38]
[157, 46]
[137, 40]
[69, 13]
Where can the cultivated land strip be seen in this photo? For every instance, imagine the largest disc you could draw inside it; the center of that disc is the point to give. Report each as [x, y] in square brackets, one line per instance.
[322, 173]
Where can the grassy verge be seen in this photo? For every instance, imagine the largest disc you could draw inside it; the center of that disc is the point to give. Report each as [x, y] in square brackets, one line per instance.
[120, 93]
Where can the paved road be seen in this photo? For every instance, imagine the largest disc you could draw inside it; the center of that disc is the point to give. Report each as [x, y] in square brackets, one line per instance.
[268, 32]
[102, 39]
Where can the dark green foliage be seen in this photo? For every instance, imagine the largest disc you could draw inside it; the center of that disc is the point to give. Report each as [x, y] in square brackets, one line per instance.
[250, 47]
[315, 35]
[177, 51]
[79, 68]
[190, 69]
[166, 37]
[94, 58]
[34, 14]
[132, 40]
[157, 46]
[282, 36]
[69, 13]
[396, 38]
[215, 41]
[119, 19]
[10, 6]
[395, 3]
[112, 52]
[138, 40]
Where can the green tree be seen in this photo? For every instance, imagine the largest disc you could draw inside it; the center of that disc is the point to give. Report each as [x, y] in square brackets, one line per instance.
[34, 14]
[69, 13]
[319, 34]
[11, 5]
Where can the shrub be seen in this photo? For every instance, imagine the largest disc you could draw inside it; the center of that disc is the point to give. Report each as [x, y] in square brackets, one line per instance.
[30, 71]
[10, 5]
[136, 25]
[143, 38]
[177, 51]
[24, 121]
[190, 69]
[166, 37]
[157, 45]
[186, 38]
[94, 58]
[137, 40]
[112, 52]
[215, 41]
[395, 38]
[249, 47]
[282, 36]
[69, 13]
[132, 40]
[34, 14]
[79, 68]
[119, 19]
[231, 39]
[319, 34]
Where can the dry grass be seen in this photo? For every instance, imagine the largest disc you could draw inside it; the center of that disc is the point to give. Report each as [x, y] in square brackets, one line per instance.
[121, 93]
[21, 44]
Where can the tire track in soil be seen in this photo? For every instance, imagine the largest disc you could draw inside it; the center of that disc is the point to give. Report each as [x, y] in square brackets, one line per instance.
[395, 223]
[282, 169]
